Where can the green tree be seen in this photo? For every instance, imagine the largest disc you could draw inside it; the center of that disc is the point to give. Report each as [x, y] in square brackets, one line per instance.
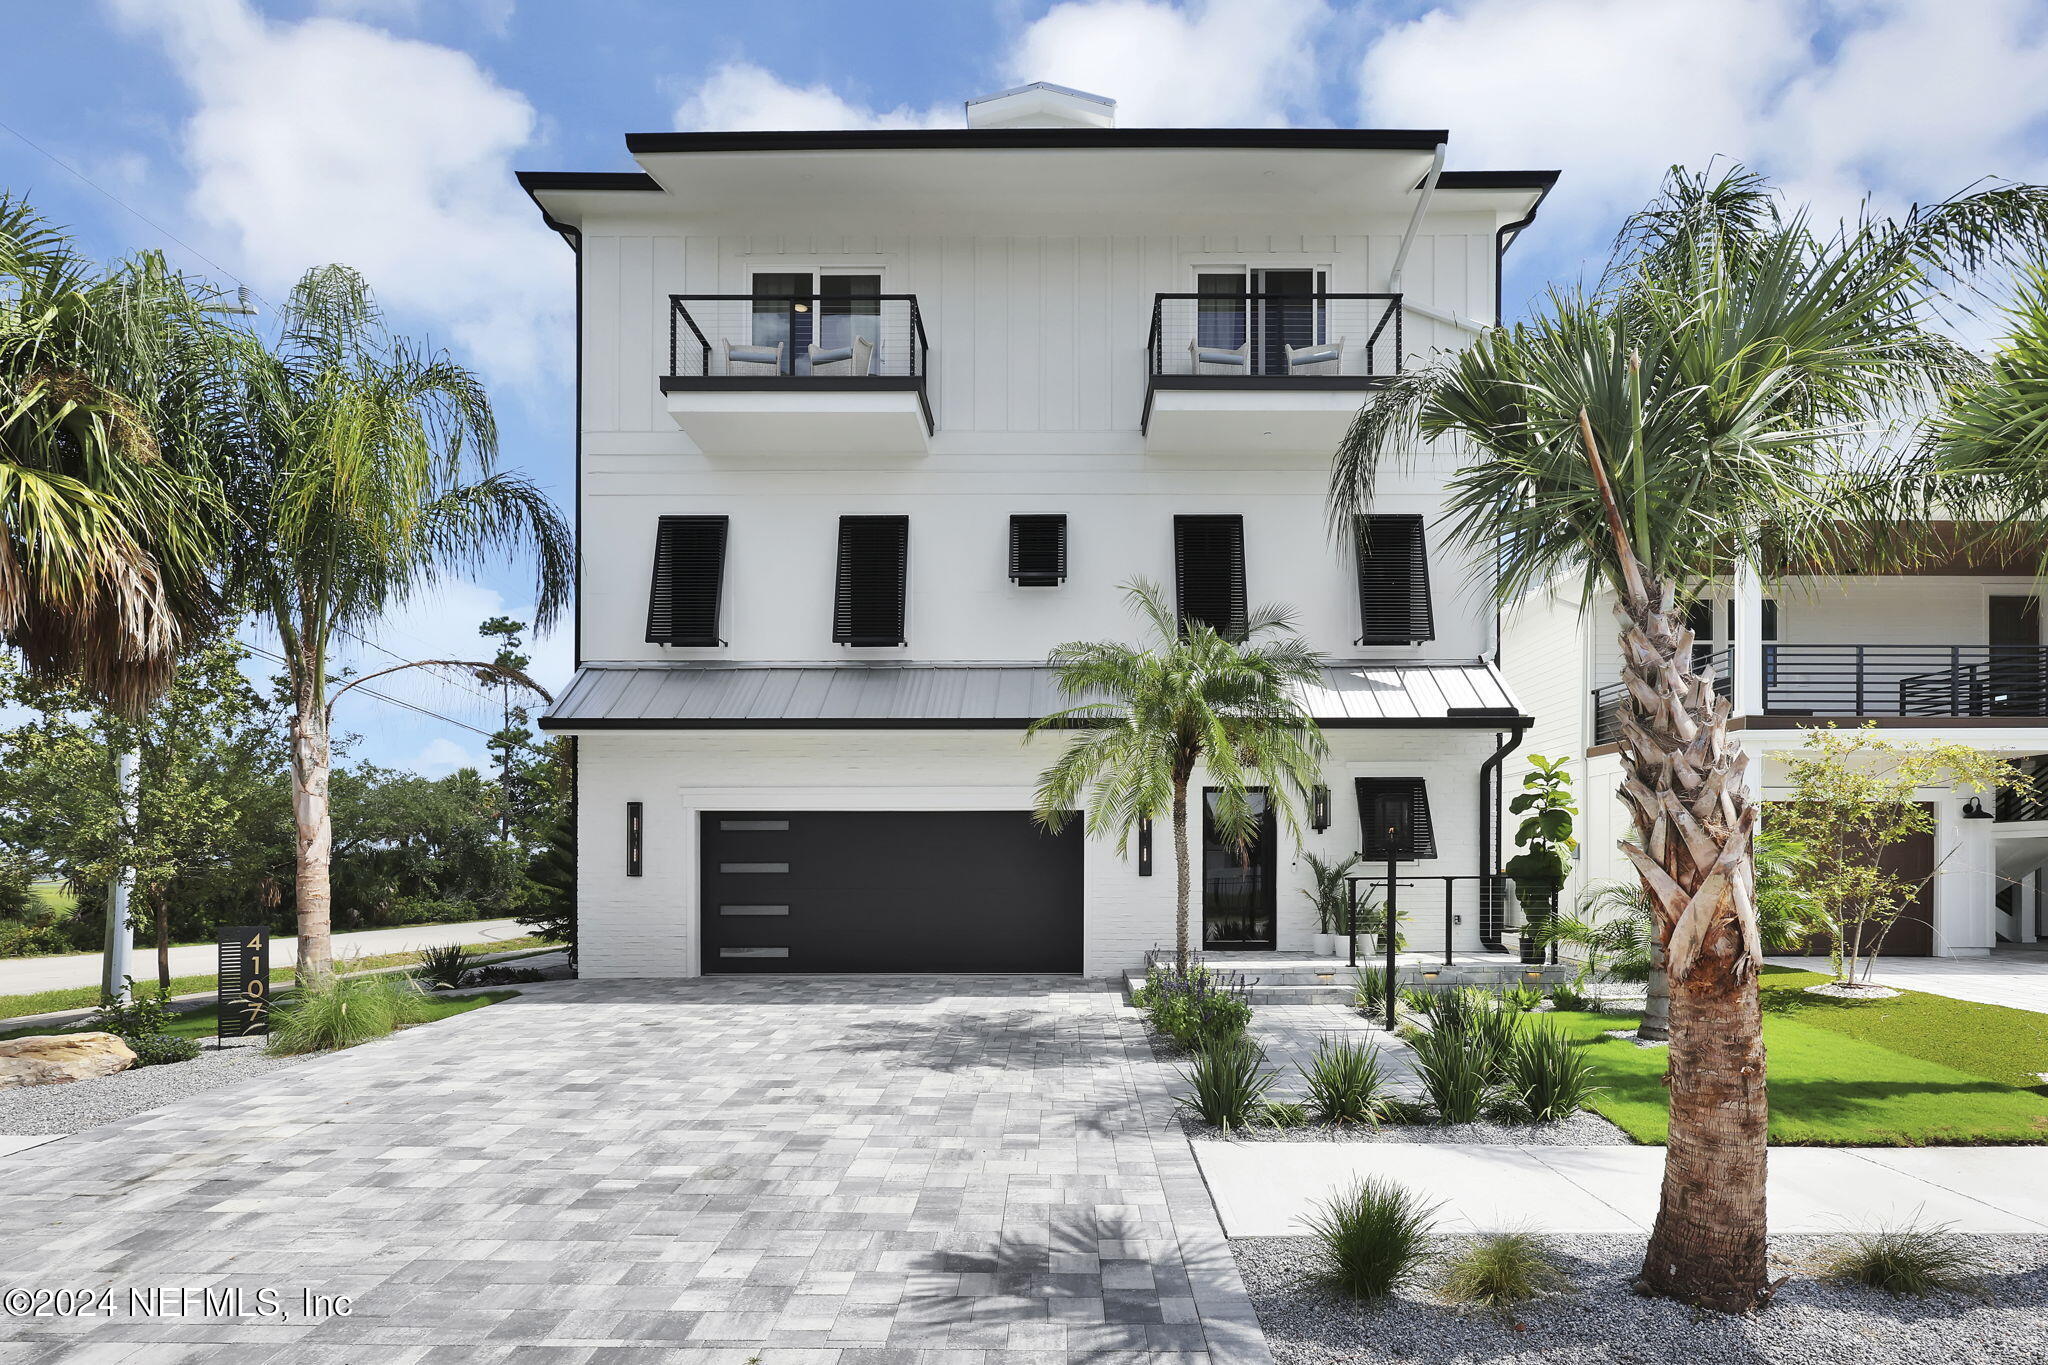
[1990, 438]
[1191, 699]
[362, 469]
[1717, 395]
[1855, 794]
[109, 529]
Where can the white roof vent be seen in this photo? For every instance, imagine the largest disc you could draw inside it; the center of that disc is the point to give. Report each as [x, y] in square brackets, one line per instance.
[1041, 105]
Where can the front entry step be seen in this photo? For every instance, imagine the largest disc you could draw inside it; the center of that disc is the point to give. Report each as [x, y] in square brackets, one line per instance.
[1299, 983]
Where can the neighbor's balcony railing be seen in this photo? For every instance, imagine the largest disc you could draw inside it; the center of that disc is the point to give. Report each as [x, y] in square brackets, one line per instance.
[2031, 801]
[1607, 700]
[1274, 336]
[1934, 681]
[803, 336]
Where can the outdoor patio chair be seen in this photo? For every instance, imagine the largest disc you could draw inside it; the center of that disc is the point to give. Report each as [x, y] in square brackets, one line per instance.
[858, 358]
[745, 358]
[1322, 358]
[1219, 359]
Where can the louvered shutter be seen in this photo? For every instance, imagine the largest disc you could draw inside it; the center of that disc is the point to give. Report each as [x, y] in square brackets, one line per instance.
[874, 568]
[1373, 840]
[1393, 581]
[689, 574]
[1038, 551]
[1208, 572]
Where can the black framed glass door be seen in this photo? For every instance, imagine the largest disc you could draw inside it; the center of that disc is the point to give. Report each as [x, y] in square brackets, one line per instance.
[1238, 882]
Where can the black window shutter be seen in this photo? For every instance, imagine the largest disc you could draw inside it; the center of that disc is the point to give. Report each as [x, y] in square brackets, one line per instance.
[1038, 551]
[1393, 581]
[689, 573]
[1373, 839]
[1208, 572]
[874, 573]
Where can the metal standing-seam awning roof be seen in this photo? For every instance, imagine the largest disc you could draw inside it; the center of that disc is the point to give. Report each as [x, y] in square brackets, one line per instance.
[985, 696]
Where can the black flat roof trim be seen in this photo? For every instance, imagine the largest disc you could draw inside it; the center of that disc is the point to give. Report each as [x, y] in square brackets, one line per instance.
[1497, 180]
[534, 181]
[1489, 721]
[893, 139]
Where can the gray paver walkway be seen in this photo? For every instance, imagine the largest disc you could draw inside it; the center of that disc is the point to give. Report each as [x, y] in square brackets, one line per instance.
[2014, 977]
[828, 1172]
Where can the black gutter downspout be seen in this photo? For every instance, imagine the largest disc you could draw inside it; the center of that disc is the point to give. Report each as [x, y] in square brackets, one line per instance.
[1501, 242]
[1491, 909]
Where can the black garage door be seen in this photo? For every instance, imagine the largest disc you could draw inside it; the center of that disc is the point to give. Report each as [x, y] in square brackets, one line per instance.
[889, 891]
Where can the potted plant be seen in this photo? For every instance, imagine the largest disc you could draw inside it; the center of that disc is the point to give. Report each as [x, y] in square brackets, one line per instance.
[1546, 841]
[1331, 899]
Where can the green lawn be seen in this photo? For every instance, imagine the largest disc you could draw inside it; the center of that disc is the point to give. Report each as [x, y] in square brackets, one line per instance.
[201, 1023]
[1918, 1071]
[54, 896]
[85, 997]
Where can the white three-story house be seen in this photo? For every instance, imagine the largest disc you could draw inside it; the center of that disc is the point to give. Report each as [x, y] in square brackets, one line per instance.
[868, 422]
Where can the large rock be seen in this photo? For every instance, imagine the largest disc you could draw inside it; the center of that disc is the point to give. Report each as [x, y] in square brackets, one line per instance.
[50, 1058]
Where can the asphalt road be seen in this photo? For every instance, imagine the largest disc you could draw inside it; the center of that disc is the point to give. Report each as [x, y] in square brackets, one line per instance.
[24, 975]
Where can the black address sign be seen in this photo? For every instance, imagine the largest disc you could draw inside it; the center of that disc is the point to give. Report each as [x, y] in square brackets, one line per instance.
[244, 991]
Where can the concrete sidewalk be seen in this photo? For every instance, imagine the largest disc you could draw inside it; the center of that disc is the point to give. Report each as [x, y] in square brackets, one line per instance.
[27, 975]
[2014, 977]
[1262, 1189]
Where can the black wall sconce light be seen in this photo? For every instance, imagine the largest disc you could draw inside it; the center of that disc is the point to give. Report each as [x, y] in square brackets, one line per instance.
[1973, 809]
[1319, 809]
[1145, 847]
[633, 824]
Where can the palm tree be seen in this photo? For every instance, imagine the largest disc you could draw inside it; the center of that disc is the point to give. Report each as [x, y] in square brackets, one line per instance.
[361, 469]
[108, 532]
[1990, 439]
[1714, 399]
[1193, 699]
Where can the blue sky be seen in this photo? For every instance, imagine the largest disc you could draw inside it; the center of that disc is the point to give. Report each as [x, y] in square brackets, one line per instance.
[259, 138]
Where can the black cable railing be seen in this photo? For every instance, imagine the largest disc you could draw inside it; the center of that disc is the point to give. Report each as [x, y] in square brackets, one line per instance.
[1607, 700]
[796, 336]
[1274, 336]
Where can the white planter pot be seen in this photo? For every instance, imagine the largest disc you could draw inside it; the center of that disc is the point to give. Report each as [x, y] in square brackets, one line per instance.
[1326, 944]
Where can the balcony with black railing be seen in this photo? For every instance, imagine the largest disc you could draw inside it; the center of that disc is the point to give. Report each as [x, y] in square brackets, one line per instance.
[1857, 681]
[1264, 371]
[799, 372]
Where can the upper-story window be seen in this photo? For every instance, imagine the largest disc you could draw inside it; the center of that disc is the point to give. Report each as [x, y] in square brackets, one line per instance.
[1038, 549]
[1208, 572]
[873, 579]
[808, 319]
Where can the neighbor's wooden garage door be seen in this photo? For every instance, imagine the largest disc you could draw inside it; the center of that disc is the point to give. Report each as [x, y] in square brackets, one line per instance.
[889, 891]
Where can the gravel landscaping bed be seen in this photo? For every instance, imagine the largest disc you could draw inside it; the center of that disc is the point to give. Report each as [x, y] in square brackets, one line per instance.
[76, 1105]
[1583, 1129]
[1602, 1323]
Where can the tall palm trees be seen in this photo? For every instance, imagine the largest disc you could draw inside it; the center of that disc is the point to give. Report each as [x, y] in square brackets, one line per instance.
[1150, 717]
[1713, 400]
[108, 526]
[361, 469]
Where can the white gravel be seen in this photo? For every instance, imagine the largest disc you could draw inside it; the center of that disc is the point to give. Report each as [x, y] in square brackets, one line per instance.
[1583, 1129]
[1602, 1323]
[77, 1105]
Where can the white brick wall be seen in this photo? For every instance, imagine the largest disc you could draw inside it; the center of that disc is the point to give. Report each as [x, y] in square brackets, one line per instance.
[646, 926]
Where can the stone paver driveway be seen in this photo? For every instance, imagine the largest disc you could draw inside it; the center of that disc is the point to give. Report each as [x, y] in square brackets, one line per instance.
[834, 1172]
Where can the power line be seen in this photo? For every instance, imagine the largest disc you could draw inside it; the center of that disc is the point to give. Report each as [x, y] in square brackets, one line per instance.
[384, 696]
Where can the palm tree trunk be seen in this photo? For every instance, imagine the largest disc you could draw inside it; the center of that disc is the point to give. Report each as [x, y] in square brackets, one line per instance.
[311, 814]
[163, 939]
[1683, 783]
[1656, 1025]
[1180, 870]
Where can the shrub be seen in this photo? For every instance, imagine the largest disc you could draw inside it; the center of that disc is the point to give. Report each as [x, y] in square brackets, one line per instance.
[1574, 997]
[1369, 989]
[1285, 1114]
[1457, 1074]
[135, 1015]
[157, 1049]
[39, 939]
[1195, 1007]
[1491, 1031]
[427, 910]
[1419, 1000]
[342, 1011]
[503, 976]
[1499, 1269]
[1229, 1080]
[1371, 1237]
[1521, 998]
[1546, 1076]
[444, 967]
[1917, 1259]
[1345, 1083]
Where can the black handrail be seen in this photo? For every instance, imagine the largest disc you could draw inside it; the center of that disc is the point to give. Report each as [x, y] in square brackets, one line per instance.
[1393, 313]
[1607, 700]
[917, 363]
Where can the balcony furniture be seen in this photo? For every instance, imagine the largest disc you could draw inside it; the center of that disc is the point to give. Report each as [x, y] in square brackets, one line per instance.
[747, 358]
[1321, 358]
[1219, 359]
[857, 358]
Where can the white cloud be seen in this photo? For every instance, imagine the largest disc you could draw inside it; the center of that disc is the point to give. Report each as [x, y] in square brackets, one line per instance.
[444, 756]
[1221, 63]
[743, 97]
[328, 140]
[1832, 98]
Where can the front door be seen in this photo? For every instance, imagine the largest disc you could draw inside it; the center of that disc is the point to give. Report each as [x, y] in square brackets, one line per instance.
[1238, 882]
[2018, 672]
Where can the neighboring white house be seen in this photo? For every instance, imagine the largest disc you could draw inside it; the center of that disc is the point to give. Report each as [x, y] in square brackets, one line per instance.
[868, 422]
[1953, 652]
